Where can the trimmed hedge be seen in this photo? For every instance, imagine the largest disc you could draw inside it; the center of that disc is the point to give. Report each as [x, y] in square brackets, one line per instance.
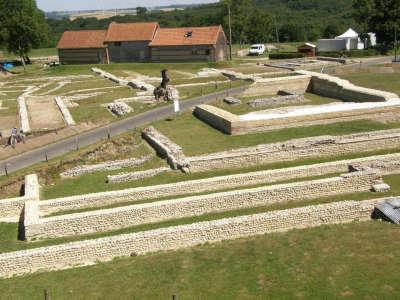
[351, 53]
[285, 55]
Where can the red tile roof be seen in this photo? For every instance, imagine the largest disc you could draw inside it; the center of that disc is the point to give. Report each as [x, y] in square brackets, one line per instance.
[128, 32]
[187, 36]
[82, 39]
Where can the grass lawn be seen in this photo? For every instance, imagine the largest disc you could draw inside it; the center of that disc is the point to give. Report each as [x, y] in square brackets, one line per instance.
[387, 82]
[354, 260]
[197, 137]
[245, 108]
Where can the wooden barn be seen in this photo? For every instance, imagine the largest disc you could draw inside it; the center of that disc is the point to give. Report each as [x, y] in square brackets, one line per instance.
[128, 42]
[83, 47]
[307, 49]
[189, 44]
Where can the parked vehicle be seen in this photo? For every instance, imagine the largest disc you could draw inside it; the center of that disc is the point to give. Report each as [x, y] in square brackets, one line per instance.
[257, 49]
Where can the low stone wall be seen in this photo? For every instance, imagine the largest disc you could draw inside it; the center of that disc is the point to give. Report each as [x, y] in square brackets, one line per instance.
[137, 84]
[132, 176]
[64, 111]
[166, 148]
[244, 124]
[321, 84]
[171, 238]
[11, 209]
[218, 118]
[386, 164]
[321, 146]
[127, 216]
[23, 114]
[335, 87]
[232, 75]
[271, 86]
[106, 166]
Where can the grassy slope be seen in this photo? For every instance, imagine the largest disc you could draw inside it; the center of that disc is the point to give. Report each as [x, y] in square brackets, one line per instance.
[353, 260]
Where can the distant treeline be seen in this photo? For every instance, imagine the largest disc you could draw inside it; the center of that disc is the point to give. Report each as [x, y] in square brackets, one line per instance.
[252, 20]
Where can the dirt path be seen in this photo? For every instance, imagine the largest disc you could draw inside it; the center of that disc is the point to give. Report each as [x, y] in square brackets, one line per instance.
[44, 113]
[7, 122]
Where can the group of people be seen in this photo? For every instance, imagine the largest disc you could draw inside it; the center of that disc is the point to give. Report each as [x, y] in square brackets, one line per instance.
[15, 137]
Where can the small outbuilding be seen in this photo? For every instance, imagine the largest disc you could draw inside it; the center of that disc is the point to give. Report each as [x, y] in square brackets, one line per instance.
[307, 49]
[189, 44]
[83, 47]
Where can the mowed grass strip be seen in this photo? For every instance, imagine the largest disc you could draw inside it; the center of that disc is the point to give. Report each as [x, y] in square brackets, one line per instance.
[356, 260]
[9, 239]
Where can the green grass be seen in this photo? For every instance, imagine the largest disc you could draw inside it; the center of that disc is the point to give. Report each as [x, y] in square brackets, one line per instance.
[197, 137]
[196, 91]
[386, 82]
[34, 53]
[356, 261]
[9, 240]
[244, 108]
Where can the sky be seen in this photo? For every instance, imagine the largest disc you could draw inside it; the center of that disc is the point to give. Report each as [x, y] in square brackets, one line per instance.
[62, 5]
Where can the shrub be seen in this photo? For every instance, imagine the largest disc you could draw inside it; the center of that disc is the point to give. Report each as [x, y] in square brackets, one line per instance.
[285, 55]
[351, 53]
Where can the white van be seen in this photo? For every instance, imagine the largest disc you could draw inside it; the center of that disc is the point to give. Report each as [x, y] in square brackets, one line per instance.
[257, 49]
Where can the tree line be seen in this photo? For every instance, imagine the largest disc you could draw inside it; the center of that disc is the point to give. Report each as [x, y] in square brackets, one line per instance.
[23, 26]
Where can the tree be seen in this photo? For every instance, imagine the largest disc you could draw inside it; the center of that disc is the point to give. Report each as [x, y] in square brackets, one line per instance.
[141, 11]
[241, 11]
[249, 24]
[23, 27]
[379, 16]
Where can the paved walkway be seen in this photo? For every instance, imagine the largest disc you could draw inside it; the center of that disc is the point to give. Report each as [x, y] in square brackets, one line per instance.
[87, 138]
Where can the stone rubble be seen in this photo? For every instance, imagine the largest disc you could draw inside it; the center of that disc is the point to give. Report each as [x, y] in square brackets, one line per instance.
[381, 187]
[232, 101]
[106, 166]
[278, 100]
[119, 108]
[132, 176]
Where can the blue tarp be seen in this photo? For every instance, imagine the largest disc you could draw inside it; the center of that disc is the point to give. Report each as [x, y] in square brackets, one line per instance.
[8, 66]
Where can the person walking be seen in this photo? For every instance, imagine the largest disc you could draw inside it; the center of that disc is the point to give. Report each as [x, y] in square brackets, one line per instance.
[13, 137]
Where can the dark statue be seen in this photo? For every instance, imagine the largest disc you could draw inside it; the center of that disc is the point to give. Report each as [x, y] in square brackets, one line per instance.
[163, 92]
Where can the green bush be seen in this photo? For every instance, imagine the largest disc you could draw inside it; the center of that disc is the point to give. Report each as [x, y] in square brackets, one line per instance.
[351, 53]
[285, 55]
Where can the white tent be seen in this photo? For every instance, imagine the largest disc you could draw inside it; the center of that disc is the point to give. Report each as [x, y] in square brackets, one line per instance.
[350, 33]
[352, 40]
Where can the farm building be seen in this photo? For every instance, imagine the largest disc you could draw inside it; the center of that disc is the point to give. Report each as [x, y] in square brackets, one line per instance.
[129, 41]
[347, 41]
[189, 44]
[142, 42]
[82, 47]
[307, 49]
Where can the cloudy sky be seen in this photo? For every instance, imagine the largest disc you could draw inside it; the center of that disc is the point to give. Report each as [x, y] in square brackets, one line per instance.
[56, 5]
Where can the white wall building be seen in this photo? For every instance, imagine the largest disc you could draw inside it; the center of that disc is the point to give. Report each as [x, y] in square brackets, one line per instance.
[347, 41]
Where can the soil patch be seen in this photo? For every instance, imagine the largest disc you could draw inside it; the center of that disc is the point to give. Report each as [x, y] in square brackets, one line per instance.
[44, 113]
